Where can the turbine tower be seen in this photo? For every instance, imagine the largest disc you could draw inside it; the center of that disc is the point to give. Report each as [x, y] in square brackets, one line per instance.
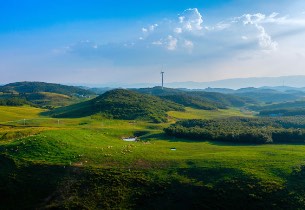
[162, 72]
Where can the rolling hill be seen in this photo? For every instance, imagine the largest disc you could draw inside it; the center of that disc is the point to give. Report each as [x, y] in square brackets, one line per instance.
[35, 87]
[121, 104]
[45, 94]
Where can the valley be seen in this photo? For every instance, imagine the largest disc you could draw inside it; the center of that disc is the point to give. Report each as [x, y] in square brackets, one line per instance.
[82, 162]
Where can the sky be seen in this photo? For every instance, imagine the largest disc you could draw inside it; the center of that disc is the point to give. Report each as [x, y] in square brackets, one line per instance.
[120, 41]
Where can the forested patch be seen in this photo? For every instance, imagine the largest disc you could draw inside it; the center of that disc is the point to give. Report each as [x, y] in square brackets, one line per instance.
[242, 130]
[14, 102]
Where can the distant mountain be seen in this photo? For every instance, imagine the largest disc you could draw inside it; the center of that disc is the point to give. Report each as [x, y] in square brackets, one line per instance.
[121, 104]
[234, 83]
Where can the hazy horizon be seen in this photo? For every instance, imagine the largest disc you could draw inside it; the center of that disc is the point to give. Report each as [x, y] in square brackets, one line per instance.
[294, 81]
[100, 42]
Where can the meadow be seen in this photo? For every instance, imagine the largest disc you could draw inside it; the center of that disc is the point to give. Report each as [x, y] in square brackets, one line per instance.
[84, 163]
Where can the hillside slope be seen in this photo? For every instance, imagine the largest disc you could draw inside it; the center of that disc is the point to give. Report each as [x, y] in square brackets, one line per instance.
[121, 104]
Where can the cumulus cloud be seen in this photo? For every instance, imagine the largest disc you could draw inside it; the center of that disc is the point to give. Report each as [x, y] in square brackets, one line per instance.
[188, 23]
[264, 39]
[191, 20]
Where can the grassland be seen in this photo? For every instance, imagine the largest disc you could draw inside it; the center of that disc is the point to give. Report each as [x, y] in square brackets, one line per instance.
[191, 113]
[17, 113]
[83, 163]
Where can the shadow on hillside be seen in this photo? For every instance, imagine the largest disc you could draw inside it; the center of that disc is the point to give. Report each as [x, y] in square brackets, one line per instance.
[38, 186]
[165, 137]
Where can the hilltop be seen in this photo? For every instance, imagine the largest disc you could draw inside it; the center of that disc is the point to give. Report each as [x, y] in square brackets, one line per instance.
[121, 104]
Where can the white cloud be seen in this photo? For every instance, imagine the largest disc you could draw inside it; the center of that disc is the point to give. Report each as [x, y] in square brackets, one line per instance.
[191, 20]
[253, 19]
[187, 36]
[150, 28]
[264, 39]
[171, 43]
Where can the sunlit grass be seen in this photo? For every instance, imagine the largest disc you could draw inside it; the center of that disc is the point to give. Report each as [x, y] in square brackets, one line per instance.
[8, 113]
[191, 113]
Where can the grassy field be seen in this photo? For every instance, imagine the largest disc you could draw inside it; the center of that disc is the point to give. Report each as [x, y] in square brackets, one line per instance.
[8, 113]
[84, 163]
[191, 113]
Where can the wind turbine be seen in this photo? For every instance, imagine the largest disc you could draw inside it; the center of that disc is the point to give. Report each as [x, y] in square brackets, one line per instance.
[162, 72]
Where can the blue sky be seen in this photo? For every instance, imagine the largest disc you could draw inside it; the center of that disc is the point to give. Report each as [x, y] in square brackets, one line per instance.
[107, 41]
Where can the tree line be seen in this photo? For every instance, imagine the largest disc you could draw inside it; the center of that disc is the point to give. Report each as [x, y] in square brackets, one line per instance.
[242, 130]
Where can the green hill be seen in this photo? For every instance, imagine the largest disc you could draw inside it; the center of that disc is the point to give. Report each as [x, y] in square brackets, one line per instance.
[35, 87]
[121, 104]
[45, 94]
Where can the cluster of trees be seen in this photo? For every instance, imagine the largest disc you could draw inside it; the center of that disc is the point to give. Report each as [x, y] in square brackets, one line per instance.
[14, 102]
[242, 130]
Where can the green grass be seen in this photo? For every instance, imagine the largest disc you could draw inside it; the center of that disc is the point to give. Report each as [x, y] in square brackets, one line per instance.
[191, 113]
[8, 113]
[89, 142]
[83, 163]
